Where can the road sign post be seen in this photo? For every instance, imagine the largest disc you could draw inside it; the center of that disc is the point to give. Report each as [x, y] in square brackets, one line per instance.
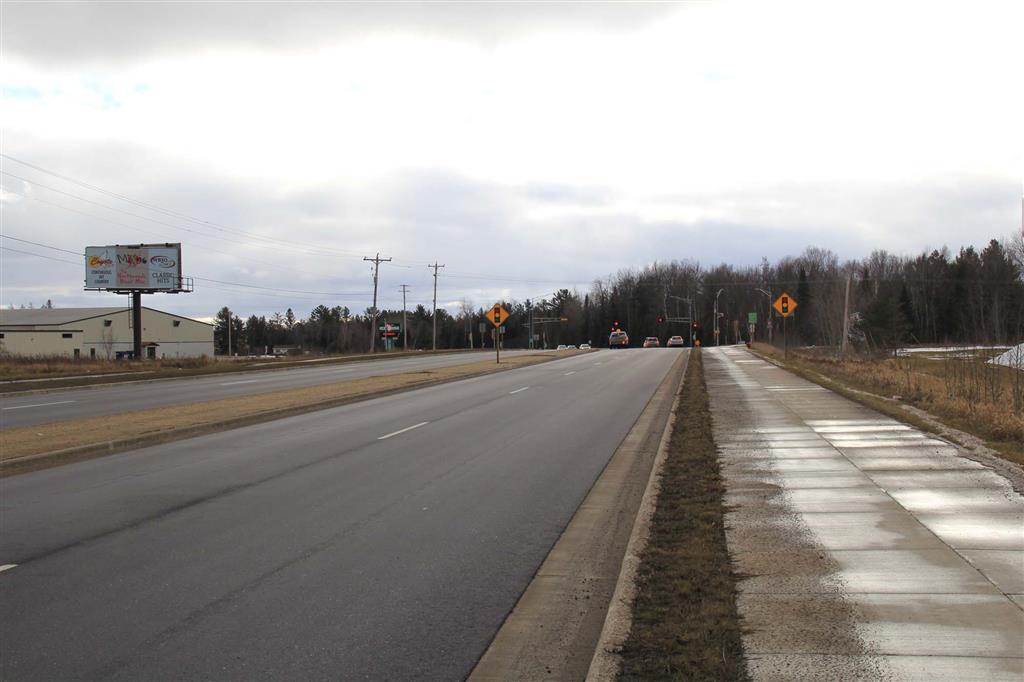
[785, 305]
[497, 316]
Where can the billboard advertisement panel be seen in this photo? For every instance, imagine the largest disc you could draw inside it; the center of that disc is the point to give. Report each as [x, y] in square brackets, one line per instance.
[146, 267]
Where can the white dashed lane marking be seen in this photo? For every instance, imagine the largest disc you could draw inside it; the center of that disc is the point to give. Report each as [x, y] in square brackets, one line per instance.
[24, 407]
[408, 428]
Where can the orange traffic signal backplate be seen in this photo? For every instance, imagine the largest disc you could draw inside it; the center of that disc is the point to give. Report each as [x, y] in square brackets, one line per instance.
[497, 315]
[785, 305]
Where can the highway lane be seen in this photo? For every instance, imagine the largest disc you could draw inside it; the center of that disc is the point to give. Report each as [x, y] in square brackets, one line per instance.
[385, 539]
[42, 408]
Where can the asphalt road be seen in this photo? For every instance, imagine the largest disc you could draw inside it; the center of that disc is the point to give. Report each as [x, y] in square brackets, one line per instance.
[42, 408]
[386, 539]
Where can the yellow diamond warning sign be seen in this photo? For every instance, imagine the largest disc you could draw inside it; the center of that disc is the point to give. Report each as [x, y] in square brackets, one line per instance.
[785, 305]
[497, 315]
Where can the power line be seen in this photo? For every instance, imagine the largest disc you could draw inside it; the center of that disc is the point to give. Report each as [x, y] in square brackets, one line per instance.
[168, 212]
[151, 232]
[204, 279]
[45, 246]
[38, 255]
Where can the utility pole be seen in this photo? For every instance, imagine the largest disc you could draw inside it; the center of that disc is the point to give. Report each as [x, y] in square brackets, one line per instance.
[768, 293]
[377, 260]
[529, 310]
[717, 342]
[434, 315]
[846, 318]
[405, 327]
[229, 333]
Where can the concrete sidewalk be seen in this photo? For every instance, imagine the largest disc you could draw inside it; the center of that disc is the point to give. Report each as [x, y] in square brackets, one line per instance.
[870, 550]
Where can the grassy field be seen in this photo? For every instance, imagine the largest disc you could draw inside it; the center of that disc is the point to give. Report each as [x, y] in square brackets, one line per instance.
[962, 390]
[685, 623]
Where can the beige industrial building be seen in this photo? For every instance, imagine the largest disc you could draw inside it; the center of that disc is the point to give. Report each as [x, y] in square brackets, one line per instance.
[102, 333]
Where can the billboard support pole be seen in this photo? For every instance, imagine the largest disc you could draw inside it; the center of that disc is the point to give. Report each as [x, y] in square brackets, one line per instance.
[137, 325]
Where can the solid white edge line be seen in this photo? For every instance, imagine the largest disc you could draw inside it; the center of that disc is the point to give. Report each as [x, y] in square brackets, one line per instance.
[247, 381]
[408, 428]
[22, 407]
[518, 390]
[7, 567]
[570, 373]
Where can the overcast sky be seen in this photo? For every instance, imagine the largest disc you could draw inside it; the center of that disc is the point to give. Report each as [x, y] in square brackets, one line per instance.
[526, 146]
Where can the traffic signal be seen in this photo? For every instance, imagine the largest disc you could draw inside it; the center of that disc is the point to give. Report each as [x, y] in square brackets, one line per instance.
[661, 319]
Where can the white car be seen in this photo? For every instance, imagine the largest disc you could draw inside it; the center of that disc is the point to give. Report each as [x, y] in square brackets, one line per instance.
[561, 346]
[584, 346]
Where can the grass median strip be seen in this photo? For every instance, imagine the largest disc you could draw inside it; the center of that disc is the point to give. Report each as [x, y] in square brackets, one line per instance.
[685, 622]
[22, 445]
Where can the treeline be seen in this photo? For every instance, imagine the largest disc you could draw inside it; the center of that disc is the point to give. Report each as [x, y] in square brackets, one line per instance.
[931, 298]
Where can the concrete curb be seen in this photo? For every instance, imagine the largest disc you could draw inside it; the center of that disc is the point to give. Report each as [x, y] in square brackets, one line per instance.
[43, 460]
[607, 660]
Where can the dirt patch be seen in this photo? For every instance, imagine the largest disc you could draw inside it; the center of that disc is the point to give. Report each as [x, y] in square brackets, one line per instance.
[685, 621]
[33, 447]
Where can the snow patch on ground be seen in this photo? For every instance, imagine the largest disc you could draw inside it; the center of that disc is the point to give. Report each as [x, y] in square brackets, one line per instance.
[1011, 358]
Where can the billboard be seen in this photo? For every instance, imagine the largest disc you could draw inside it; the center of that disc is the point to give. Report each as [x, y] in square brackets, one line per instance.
[143, 267]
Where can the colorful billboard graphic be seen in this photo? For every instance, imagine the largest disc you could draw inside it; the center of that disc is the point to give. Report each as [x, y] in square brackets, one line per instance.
[145, 267]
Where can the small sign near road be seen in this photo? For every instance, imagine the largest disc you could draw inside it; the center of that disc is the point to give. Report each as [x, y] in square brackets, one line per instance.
[751, 318]
[785, 305]
[497, 315]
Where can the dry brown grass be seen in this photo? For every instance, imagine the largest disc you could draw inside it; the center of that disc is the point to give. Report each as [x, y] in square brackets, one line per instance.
[14, 368]
[685, 622]
[965, 393]
[161, 424]
[51, 372]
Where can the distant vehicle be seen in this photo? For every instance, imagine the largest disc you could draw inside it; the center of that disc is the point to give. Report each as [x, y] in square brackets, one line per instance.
[652, 342]
[584, 346]
[562, 346]
[675, 342]
[618, 339]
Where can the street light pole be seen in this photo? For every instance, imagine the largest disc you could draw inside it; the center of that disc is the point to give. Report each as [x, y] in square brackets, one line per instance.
[769, 320]
[717, 341]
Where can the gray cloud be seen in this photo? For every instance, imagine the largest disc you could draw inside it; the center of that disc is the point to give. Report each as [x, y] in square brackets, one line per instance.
[482, 231]
[114, 31]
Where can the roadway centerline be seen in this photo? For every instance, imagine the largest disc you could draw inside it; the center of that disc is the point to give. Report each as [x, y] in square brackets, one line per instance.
[22, 407]
[408, 428]
[518, 390]
[569, 373]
